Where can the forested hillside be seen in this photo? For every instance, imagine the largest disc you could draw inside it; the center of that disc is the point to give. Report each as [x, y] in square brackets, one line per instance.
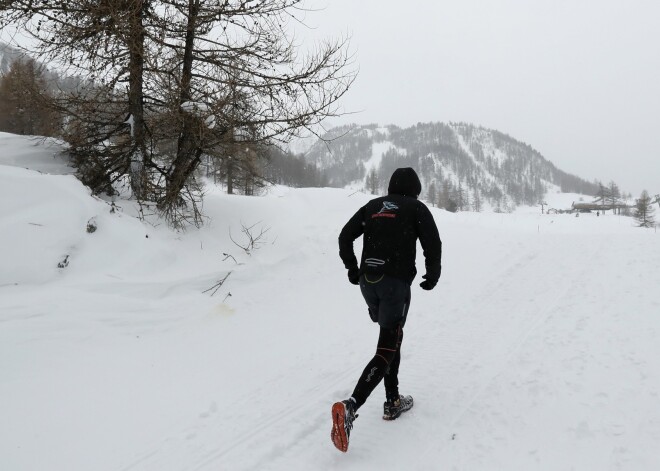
[460, 164]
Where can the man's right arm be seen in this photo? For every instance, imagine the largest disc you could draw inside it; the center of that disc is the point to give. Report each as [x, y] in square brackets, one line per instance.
[353, 229]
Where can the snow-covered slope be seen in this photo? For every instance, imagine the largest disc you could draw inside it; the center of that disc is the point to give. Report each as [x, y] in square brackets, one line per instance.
[463, 162]
[538, 350]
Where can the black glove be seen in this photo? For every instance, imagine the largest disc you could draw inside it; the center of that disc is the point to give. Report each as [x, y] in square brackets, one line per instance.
[428, 284]
[354, 276]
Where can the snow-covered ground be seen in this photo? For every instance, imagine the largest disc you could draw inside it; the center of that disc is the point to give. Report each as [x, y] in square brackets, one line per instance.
[538, 350]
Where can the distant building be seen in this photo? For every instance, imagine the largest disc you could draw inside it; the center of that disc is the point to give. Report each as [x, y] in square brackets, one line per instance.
[588, 207]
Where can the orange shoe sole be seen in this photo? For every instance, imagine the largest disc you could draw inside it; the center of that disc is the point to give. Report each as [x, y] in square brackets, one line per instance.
[338, 433]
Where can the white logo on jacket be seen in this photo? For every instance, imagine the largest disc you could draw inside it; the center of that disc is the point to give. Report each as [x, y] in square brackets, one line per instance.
[387, 206]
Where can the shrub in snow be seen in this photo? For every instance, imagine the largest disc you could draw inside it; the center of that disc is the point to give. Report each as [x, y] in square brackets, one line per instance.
[91, 226]
[64, 263]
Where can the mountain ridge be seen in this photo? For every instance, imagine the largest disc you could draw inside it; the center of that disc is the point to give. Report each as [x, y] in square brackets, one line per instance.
[461, 162]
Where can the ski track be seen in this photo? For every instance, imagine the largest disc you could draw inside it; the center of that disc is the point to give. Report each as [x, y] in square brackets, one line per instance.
[578, 336]
[506, 339]
[454, 350]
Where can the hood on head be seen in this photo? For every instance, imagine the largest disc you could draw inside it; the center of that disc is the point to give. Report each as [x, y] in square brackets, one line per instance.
[405, 182]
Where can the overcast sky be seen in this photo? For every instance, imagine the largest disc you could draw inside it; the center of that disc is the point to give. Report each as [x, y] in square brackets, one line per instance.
[577, 80]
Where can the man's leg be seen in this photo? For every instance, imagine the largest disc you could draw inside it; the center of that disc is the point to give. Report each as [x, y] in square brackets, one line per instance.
[343, 413]
[369, 288]
[391, 378]
[375, 371]
[388, 300]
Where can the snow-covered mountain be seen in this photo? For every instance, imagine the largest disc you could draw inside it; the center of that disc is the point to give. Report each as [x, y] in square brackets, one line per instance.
[475, 162]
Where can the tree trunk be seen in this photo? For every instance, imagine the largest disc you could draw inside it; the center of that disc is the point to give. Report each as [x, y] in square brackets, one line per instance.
[230, 176]
[138, 177]
[188, 154]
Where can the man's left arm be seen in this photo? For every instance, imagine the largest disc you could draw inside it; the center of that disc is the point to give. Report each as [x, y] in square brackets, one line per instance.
[431, 245]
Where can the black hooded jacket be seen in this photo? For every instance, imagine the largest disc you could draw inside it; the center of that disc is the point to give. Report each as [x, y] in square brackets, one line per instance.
[391, 226]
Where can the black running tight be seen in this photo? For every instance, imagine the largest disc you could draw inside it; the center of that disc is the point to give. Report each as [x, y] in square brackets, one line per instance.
[384, 364]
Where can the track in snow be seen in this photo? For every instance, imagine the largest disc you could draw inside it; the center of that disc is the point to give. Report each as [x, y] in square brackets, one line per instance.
[456, 349]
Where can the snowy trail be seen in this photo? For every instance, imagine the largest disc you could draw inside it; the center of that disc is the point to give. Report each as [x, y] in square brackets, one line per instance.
[501, 332]
[454, 352]
[585, 381]
[457, 349]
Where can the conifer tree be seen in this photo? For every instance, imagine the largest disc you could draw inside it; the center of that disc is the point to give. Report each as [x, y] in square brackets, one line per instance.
[373, 182]
[444, 195]
[432, 194]
[459, 197]
[467, 204]
[25, 101]
[170, 82]
[643, 212]
[603, 195]
[476, 201]
[613, 194]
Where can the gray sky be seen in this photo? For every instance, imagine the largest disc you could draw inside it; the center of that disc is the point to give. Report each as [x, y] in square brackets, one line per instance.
[577, 80]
